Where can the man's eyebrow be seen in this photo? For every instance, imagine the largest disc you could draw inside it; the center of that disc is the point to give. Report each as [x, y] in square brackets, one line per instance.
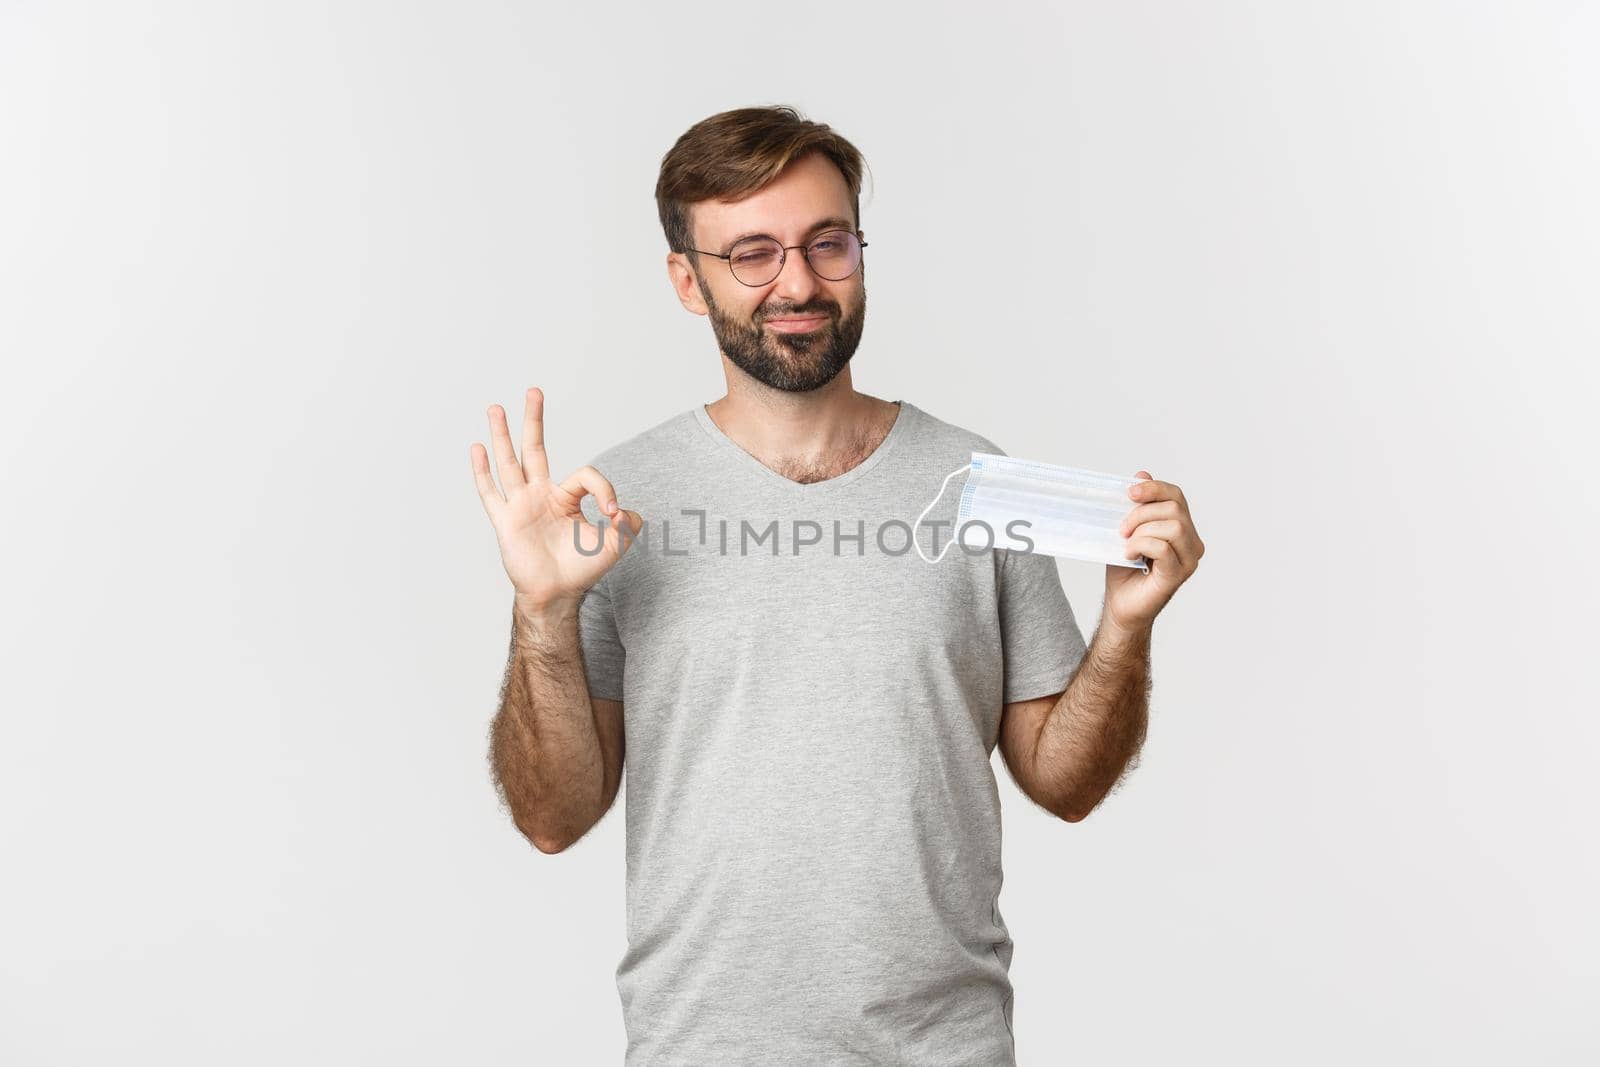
[834, 223]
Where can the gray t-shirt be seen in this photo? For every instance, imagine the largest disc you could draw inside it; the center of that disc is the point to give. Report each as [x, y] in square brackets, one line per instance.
[810, 708]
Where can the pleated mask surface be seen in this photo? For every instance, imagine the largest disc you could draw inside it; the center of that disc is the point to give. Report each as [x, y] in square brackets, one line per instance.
[1063, 511]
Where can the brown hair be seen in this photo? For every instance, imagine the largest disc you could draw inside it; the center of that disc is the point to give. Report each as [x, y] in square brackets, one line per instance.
[735, 153]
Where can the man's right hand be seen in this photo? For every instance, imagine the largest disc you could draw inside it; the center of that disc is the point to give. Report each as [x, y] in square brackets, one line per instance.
[534, 518]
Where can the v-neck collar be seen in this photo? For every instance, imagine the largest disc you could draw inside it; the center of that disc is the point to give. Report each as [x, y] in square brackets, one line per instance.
[901, 421]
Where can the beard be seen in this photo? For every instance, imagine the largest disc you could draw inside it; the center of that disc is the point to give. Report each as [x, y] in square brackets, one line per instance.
[793, 362]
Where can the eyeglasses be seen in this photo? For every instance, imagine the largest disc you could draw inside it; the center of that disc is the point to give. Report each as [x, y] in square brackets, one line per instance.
[834, 255]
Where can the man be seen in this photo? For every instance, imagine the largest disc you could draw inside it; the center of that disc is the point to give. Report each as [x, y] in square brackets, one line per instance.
[806, 710]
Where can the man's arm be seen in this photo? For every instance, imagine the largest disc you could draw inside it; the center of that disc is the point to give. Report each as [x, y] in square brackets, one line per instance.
[1066, 751]
[556, 753]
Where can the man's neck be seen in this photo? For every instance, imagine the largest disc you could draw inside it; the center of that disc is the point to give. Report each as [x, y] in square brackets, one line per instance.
[805, 437]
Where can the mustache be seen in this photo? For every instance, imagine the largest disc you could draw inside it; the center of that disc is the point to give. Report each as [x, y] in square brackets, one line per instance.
[799, 313]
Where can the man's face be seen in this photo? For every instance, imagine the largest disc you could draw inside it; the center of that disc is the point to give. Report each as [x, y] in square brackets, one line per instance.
[747, 321]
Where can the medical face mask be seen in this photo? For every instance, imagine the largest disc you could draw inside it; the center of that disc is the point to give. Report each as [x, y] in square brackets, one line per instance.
[1063, 511]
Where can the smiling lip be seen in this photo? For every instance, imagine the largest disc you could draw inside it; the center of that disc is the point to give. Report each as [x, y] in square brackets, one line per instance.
[796, 325]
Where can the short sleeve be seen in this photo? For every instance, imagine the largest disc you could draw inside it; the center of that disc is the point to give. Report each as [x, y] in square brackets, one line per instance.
[597, 637]
[1041, 642]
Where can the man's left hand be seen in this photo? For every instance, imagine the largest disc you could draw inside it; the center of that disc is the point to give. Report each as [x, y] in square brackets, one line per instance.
[1158, 526]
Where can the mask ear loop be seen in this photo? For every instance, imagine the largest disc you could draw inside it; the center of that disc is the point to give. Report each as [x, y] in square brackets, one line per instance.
[915, 542]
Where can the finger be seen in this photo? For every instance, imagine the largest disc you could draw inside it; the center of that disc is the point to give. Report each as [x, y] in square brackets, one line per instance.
[587, 479]
[1166, 529]
[1188, 545]
[1161, 509]
[488, 492]
[607, 536]
[1154, 547]
[534, 460]
[618, 539]
[1148, 489]
[505, 457]
[1151, 489]
[632, 519]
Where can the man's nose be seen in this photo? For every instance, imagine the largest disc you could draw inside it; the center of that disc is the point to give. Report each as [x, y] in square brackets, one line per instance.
[796, 282]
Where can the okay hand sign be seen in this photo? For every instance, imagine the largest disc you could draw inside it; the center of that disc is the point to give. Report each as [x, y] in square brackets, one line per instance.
[535, 518]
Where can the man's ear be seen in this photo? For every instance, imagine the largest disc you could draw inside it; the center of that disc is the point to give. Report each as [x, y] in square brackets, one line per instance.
[685, 284]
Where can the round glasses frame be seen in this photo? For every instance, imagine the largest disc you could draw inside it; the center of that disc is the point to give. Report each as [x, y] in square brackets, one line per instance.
[783, 258]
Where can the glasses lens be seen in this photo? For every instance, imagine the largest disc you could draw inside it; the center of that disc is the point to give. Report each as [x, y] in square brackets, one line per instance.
[835, 254]
[756, 261]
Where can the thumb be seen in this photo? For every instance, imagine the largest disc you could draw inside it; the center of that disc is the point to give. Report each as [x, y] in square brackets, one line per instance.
[626, 525]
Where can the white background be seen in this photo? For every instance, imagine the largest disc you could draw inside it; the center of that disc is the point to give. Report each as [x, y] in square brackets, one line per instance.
[1332, 268]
